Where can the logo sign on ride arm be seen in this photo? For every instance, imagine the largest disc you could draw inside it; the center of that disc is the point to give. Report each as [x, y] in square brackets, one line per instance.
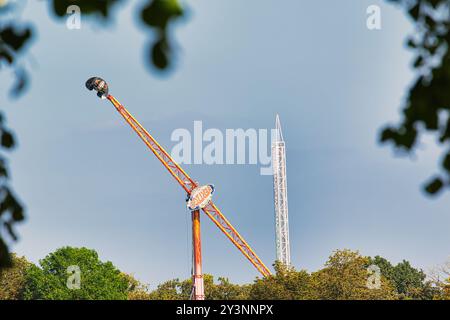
[200, 197]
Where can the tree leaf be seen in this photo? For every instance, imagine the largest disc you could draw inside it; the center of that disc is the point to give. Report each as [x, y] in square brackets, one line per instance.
[434, 186]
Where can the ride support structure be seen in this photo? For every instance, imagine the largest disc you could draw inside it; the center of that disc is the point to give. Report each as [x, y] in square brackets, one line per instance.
[190, 187]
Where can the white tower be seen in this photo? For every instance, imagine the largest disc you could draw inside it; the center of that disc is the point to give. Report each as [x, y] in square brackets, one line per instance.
[280, 196]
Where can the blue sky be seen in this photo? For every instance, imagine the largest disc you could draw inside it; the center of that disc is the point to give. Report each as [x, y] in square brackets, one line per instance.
[87, 180]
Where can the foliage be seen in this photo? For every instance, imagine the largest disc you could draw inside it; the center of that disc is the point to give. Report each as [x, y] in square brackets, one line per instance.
[181, 290]
[427, 106]
[225, 290]
[136, 290]
[446, 284]
[169, 290]
[99, 280]
[156, 16]
[446, 290]
[285, 284]
[345, 278]
[441, 282]
[408, 281]
[11, 211]
[13, 41]
[222, 290]
[12, 280]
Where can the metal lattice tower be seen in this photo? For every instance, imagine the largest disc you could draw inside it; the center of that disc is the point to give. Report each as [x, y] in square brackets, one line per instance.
[280, 196]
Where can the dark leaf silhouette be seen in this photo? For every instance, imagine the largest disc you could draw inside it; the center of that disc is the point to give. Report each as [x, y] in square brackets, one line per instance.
[159, 54]
[157, 15]
[98, 7]
[5, 259]
[434, 186]
[15, 37]
[427, 107]
[7, 139]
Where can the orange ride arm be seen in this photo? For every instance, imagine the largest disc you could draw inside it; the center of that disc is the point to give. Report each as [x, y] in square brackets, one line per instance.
[175, 170]
[225, 226]
[188, 185]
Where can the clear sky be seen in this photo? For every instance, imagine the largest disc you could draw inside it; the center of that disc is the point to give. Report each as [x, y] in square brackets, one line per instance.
[87, 180]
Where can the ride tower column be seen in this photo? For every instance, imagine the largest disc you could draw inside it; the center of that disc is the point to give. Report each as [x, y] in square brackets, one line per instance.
[197, 275]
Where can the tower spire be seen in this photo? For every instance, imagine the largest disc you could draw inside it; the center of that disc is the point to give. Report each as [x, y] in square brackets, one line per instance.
[279, 136]
[280, 196]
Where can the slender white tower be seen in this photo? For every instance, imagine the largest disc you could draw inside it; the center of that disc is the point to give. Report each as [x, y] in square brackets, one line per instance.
[280, 196]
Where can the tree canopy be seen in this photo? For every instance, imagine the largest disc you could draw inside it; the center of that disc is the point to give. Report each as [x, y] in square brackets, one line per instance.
[285, 284]
[12, 280]
[345, 276]
[97, 280]
[409, 282]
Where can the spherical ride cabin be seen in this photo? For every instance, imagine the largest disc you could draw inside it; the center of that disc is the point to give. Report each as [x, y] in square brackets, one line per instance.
[99, 85]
